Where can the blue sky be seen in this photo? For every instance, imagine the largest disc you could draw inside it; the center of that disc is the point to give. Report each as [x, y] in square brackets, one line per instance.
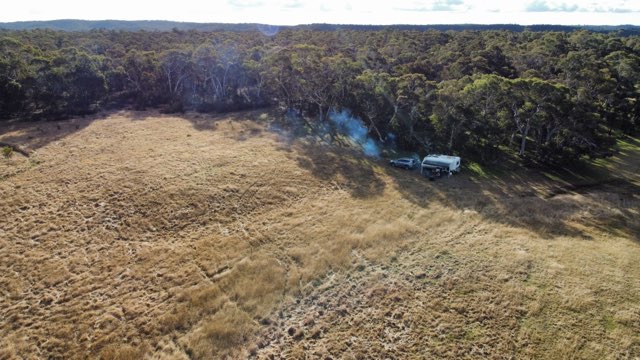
[292, 12]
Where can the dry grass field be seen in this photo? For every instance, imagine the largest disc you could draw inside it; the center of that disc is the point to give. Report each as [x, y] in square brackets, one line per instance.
[137, 235]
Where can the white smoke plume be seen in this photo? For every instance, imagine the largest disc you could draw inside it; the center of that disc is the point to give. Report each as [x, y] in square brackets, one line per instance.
[355, 129]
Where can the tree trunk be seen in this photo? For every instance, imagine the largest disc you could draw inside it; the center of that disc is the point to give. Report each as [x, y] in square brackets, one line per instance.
[321, 112]
[453, 131]
[523, 142]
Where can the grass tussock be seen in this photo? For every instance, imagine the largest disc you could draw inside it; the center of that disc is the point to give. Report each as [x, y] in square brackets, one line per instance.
[192, 305]
[257, 286]
[123, 352]
[221, 334]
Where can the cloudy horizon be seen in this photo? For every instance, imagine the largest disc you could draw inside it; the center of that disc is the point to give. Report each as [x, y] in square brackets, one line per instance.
[295, 12]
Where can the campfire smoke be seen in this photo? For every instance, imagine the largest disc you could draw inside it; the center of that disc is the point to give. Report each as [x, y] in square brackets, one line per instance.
[355, 129]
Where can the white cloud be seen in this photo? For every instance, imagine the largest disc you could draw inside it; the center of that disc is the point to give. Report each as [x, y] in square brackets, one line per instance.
[289, 12]
[246, 3]
[623, 6]
[433, 5]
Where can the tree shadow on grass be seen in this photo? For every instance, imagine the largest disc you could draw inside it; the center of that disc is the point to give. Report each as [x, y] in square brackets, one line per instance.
[512, 195]
[341, 168]
[251, 121]
[524, 198]
[33, 135]
[542, 201]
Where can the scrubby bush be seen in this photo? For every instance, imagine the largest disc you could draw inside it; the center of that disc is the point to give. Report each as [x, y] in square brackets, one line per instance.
[7, 151]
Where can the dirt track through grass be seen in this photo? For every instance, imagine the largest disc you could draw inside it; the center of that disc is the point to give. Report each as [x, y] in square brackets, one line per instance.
[207, 237]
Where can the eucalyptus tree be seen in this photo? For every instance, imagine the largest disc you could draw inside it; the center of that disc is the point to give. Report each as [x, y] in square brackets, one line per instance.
[176, 67]
[413, 102]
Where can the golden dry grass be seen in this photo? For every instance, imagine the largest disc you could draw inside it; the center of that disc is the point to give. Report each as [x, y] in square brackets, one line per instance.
[143, 235]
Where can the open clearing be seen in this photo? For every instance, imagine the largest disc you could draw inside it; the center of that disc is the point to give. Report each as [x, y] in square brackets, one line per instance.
[173, 237]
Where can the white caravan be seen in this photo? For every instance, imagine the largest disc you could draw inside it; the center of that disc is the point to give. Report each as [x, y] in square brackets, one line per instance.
[440, 163]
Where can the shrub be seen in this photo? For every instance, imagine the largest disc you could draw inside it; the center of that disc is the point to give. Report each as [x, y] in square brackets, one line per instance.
[7, 151]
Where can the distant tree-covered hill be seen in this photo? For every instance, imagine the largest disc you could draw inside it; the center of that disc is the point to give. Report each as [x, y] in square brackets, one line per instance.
[162, 25]
[150, 25]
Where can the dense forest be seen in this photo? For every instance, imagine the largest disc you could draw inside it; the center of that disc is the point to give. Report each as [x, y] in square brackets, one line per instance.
[546, 97]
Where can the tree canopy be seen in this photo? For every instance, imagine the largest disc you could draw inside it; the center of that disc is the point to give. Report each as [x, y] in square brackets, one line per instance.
[546, 96]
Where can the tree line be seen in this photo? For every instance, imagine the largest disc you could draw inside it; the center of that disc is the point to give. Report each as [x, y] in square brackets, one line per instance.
[546, 97]
[165, 25]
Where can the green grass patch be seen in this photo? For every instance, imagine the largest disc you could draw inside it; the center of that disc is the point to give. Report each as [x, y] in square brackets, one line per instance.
[608, 322]
[552, 176]
[592, 171]
[475, 331]
[477, 170]
[7, 151]
[629, 144]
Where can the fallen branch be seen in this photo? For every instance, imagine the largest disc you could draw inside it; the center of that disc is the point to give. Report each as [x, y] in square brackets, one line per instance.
[16, 148]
